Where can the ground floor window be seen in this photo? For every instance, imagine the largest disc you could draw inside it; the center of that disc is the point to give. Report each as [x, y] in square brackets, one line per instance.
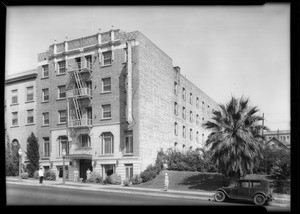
[60, 171]
[128, 171]
[108, 170]
[129, 143]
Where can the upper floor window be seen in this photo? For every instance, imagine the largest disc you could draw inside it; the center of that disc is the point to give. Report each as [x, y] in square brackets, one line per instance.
[106, 84]
[46, 147]
[45, 94]
[175, 108]
[191, 134]
[14, 96]
[191, 98]
[14, 118]
[197, 102]
[175, 87]
[88, 60]
[46, 118]
[129, 142]
[85, 140]
[183, 93]
[45, 71]
[175, 128]
[30, 116]
[107, 58]
[107, 143]
[197, 136]
[183, 131]
[61, 92]
[62, 67]
[63, 144]
[29, 93]
[183, 112]
[62, 116]
[197, 120]
[106, 111]
[191, 116]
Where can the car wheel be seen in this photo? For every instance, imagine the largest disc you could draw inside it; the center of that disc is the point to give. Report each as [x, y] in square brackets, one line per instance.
[259, 200]
[220, 196]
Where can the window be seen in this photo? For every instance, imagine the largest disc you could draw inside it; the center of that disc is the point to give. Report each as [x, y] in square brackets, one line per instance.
[191, 116]
[129, 143]
[197, 136]
[85, 140]
[29, 92]
[88, 60]
[45, 94]
[14, 118]
[106, 111]
[191, 98]
[46, 147]
[175, 108]
[46, 118]
[106, 84]
[197, 119]
[183, 93]
[62, 116]
[62, 67]
[284, 138]
[175, 88]
[45, 71]
[107, 58]
[191, 134]
[14, 96]
[183, 131]
[175, 128]
[129, 171]
[63, 144]
[61, 92]
[197, 102]
[30, 116]
[175, 144]
[244, 184]
[183, 112]
[107, 143]
[183, 146]
[256, 184]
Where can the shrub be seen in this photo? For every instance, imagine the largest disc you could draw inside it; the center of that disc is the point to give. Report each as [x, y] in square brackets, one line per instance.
[36, 174]
[24, 175]
[95, 177]
[50, 175]
[150, 173]
[126, 182]
[107, 180]
[136, 179]
[115, 179]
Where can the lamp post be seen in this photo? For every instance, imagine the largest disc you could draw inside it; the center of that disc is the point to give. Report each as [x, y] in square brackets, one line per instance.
[20, 159]
[64, 153]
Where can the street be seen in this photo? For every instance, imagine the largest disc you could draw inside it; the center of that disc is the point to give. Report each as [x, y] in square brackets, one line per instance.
[43, 195]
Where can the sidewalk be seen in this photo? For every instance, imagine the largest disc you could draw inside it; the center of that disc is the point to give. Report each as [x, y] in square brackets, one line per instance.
[198, 195]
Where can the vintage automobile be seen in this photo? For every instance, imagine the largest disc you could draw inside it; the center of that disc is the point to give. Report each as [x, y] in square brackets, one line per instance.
[257, 191]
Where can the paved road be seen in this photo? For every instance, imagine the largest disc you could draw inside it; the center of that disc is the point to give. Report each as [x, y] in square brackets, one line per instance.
[44, 195]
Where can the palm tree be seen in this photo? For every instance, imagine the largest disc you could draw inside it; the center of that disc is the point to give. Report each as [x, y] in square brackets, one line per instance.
[236, 137]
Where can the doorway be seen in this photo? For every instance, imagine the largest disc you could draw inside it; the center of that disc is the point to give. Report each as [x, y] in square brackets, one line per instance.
[84, 165]
[108, 170]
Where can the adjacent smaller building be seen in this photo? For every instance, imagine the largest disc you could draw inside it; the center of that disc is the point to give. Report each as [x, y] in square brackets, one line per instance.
[20, 108]
[278, 139]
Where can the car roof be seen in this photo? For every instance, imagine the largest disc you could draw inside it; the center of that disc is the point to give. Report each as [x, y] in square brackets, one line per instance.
[265, 180]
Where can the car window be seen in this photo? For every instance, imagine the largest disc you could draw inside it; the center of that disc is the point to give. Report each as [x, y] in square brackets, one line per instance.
[244, 184]
[256, 184]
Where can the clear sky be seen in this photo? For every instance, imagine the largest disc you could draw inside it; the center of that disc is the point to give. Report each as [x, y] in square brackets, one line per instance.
[224, 50]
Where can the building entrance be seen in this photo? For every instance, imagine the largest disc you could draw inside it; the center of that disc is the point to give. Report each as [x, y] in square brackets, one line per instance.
[84, 165]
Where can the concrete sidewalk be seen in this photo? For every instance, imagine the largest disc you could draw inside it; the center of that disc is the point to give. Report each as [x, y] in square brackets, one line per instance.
[198, 195]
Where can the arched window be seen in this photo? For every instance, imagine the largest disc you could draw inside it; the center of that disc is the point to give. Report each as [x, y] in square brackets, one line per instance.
[107, 141]
[63, 143]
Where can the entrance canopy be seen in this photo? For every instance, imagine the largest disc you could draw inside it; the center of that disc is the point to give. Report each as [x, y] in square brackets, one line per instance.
[79, 156]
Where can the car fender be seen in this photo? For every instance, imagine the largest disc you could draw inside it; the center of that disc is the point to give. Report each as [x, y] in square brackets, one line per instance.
[222, 190]
[262, 193]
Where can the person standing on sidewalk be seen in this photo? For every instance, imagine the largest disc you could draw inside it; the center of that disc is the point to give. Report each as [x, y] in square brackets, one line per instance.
[41, 174]
[76, 174]
[166, 183]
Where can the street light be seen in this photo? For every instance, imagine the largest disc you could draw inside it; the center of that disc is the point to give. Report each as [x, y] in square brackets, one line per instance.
[20, 159]
[63, 153]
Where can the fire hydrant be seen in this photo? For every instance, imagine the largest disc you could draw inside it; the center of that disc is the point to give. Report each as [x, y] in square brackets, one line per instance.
[166, 183]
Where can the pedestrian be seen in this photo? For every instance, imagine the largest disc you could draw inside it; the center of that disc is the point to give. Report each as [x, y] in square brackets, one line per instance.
[41, 175]
[88, 173]
[75, 174]
[166, 183]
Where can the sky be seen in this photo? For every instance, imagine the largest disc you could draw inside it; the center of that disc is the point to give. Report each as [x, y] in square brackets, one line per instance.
[224, 50]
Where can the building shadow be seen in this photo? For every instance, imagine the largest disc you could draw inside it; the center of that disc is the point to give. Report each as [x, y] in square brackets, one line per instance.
[208, 182]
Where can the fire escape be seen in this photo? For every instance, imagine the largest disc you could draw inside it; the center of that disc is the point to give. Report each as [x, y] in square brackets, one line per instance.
[80, 94]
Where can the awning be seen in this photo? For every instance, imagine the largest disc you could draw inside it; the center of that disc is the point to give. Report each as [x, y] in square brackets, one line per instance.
[79, 156]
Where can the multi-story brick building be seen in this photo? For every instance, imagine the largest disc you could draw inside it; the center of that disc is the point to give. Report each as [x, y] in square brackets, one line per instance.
[111, 101]
[20, 108]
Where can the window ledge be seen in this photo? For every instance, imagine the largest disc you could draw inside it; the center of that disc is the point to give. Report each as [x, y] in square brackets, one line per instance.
[14, 126]
[47, 101]
[44, 125]
[105, 119]
[103, 66]
[106, 155]
[61, 99]
[31, 101]
[14, 104]
[30, 124]
[127, 154]
[107, 92]
[62, 123]
[61, 74]
[42, 78]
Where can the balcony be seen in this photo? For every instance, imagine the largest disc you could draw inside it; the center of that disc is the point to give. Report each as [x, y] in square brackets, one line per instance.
[80, 93]
[78, 123]
[82, 67]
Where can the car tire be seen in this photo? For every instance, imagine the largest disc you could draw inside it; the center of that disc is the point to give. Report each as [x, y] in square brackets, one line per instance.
[259, 199]
[220, 196]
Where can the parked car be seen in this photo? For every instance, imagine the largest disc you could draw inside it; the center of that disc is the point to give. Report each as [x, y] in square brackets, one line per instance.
[257, 190]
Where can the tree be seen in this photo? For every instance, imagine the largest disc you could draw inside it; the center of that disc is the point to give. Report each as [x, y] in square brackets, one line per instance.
[235, 140]
[32, 154]
[8, 157]
[15, 146]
